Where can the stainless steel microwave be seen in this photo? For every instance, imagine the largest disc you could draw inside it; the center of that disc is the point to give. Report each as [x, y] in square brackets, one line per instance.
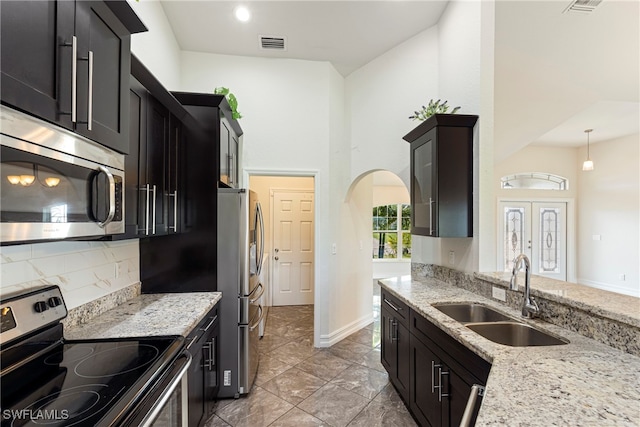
[55, 184]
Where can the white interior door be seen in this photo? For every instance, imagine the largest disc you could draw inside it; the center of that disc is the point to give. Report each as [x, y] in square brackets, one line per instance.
[537, 229]
[293, 257]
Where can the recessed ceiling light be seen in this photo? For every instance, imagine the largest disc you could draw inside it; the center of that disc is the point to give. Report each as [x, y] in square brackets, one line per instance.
[242, 14]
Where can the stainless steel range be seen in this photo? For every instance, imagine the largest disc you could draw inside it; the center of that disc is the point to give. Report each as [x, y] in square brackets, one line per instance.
[111, 382]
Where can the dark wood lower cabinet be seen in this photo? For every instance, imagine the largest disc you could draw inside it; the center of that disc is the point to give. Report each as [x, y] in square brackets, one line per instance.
[203, 379]
[395, 352]
[395, 343]
[433, 373]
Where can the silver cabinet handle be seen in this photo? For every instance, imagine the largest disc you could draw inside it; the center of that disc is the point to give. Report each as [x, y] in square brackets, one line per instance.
[213, 352]
[90, 107]
[230, 168]
[390, 304]
[476, 390]
[112, 196]
[153, 223]
[394, 330]
[431, 202]
[440, 385]
[206, 328]
[74, 78]
[146, 210]
[433, 376]
[174, 227]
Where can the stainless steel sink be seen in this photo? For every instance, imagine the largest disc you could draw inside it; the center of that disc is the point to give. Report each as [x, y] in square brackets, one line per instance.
[515, 334]
[471, 313]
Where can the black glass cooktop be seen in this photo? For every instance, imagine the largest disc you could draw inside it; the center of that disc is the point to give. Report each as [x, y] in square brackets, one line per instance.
[84, 383]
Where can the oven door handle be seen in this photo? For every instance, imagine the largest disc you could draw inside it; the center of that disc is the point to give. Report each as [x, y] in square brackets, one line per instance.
[183, 362]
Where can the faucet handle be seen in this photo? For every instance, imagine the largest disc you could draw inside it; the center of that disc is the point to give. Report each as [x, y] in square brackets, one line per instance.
[530, 308]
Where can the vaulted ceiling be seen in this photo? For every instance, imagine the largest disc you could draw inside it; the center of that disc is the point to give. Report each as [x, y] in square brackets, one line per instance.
[556, 73]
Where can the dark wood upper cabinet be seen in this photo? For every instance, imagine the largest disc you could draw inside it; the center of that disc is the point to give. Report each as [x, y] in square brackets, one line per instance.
[87, 93]
[155, 167]
[442, 176]
[214, 114]
[36, 57]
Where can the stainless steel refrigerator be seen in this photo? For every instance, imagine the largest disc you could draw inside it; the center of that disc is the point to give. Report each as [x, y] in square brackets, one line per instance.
[240, 255]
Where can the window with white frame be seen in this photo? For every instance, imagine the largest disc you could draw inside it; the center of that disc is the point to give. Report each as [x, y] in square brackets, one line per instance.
[392, 232]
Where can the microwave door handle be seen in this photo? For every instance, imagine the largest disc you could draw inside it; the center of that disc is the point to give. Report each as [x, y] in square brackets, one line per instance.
[112, 196]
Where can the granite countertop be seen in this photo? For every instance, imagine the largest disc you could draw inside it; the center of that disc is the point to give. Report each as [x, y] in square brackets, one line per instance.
[148, 315]
[619, 307]
[583, 383]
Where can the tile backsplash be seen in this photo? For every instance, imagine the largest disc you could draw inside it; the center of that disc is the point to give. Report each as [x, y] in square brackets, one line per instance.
[84, 271]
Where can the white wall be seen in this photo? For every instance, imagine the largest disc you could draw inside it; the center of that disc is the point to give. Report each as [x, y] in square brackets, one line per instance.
[84, 271]
[459, 68]
[157, 48]
[380, 98]
[293, 122]
[608, 206]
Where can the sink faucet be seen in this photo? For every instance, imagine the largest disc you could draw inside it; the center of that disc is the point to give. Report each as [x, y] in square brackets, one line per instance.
[530, 308]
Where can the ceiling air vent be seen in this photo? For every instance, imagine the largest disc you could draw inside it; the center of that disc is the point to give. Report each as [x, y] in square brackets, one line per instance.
[583, 6]
[273, 42]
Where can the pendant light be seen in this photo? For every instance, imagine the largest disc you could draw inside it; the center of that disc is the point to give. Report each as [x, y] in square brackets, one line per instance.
[588, 164]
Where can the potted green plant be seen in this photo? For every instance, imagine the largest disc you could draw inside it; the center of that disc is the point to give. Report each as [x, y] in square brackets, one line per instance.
[231, 99]
[434, 107]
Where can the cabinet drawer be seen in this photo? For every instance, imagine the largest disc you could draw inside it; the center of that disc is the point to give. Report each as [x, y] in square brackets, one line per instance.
[399, 309]
[473, 368]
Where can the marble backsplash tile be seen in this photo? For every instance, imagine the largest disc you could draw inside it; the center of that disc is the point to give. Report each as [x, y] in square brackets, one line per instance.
[578, 318]
[85, 271]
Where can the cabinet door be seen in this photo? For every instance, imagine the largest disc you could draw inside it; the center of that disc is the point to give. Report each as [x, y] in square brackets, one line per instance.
[389, 348]
[158, 126]
[135, 199]
[234, 161]
[196, 381]
[403, 376]
[458, 393]
[225, 153]
[173, 176]
[423, 185]
[37, 57]
[211, 380]
[104, 64]
[425, 403]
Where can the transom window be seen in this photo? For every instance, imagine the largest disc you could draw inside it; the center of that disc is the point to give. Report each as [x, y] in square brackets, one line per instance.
[534, 181]
[392, 232]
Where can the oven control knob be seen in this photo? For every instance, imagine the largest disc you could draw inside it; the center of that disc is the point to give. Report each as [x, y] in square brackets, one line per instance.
[54, 302]
[40, 306]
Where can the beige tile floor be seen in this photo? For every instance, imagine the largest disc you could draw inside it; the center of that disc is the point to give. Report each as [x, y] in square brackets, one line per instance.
[299, 385]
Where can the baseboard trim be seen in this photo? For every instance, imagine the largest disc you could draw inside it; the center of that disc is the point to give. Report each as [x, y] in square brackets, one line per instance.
[330, 339]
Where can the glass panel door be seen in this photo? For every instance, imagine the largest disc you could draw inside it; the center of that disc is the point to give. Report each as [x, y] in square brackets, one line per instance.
[537, 229]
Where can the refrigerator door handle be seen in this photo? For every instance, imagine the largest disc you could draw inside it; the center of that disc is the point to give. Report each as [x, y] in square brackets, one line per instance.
[260, 257]
[257, 297]
[257, 322]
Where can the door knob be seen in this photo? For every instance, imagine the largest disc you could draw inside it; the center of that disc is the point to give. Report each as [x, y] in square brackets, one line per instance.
[277, 250]
[276, 258]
